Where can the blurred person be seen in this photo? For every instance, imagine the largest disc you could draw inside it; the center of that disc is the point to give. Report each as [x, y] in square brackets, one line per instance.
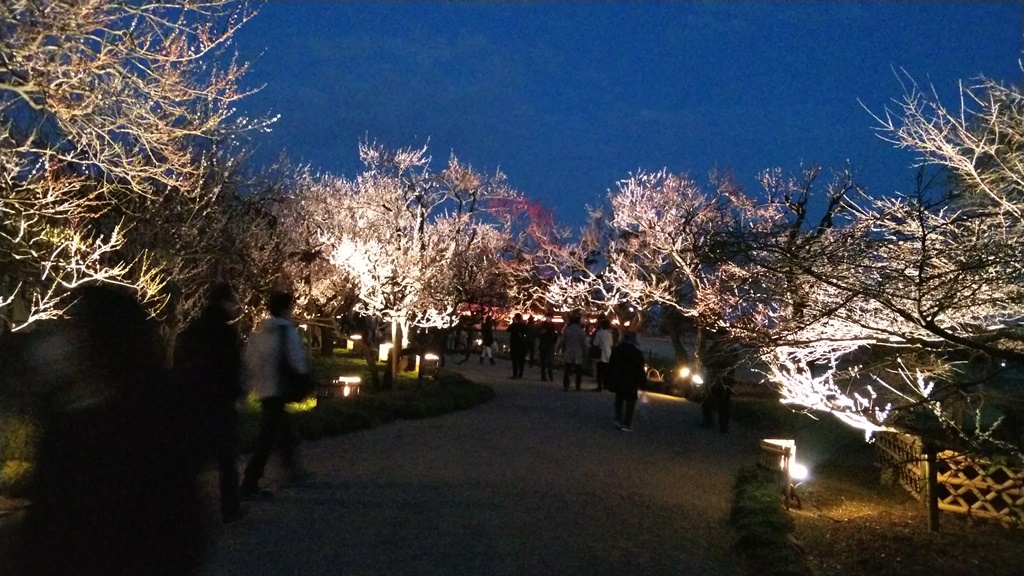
[604, 340]
[626, 376]
[573, 346]
[208, 370]
[114, 489]
[722, 356]
[275, 342]
[546, 341]
[487, 340]
[531, 340]
[518, 341]
[470, 329]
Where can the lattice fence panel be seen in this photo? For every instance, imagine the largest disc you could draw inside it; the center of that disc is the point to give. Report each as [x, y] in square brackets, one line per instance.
[966, 485]
[980, 488]
[901, 460]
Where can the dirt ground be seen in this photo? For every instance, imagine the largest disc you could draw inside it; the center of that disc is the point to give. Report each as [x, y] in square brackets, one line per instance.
[848, 525]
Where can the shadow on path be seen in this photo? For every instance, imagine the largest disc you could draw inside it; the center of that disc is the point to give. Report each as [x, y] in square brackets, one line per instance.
[537, 481]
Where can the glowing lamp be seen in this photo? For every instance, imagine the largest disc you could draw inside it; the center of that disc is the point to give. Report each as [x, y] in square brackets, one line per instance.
[349, 385]
[798, 471]
[383, 351]
[780, 454]
[350, 342]
[697, 379]
[684, 371]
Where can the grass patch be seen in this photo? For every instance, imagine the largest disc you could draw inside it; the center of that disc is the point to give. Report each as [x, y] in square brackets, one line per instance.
[763, 527]
[411, 399]
[19, 434]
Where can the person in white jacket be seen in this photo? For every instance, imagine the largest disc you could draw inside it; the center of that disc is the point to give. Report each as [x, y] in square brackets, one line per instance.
[276, 336]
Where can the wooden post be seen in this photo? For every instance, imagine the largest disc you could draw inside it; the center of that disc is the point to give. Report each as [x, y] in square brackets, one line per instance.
[932, 487]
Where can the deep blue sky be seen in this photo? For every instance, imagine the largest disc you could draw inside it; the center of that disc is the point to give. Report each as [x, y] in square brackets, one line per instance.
[569, 97]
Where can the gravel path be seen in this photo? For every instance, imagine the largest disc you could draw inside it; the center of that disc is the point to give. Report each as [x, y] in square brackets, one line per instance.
[537, 481]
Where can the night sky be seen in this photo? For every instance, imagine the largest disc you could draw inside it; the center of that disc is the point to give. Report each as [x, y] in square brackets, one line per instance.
[567, 98]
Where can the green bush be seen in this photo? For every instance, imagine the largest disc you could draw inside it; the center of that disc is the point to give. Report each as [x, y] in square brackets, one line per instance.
[763, 526]
[18, 436]
[412, 400]
[14, 477]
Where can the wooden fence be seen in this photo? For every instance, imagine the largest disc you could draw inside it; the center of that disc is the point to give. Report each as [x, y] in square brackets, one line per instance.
[966, 485]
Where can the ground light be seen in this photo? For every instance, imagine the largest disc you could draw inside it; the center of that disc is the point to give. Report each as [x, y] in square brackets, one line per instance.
[430, 363]
[383, 351]
[779, 454]
[349, 385]
[350, 341]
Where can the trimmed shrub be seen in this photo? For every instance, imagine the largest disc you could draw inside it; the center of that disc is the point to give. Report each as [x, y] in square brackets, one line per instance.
[763, 527]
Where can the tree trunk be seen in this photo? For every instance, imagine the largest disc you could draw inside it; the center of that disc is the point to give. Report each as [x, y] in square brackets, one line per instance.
[396, 353]
[326, 341]
[698, 351]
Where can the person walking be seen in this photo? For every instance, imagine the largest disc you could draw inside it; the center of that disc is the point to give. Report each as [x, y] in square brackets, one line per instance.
[603, 340]
[275, 342]
[114, 486]
[518, 339]
[573, 346]
[546, 341]
[487, 340]
[208, 370]
[626, 376]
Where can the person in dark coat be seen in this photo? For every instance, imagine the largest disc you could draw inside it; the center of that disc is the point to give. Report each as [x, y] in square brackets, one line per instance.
[546, 350]
[722, 356]
[626, 376]
[208, 368]
[531, 340]
[114, 489]
[518, 340]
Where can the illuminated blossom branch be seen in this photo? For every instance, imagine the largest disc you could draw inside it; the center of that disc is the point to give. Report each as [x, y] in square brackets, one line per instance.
[670, 241]
[111, 111]
[925, 288]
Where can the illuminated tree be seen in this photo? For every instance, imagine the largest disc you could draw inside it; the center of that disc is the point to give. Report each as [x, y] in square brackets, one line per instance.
[668, 244]
[403, 233]
[109, 111]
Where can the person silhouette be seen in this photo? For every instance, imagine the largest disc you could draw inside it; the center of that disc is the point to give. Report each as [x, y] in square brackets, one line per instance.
[114, 489]
[208, 370]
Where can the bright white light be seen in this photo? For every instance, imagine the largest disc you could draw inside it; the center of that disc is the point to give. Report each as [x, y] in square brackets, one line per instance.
[684, 371]
[431, 357]
[797, 471]
[697, 379]
[355, 337]
[383, 351]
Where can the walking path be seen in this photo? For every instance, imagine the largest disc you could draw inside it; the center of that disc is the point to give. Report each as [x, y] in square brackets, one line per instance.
[535, 482]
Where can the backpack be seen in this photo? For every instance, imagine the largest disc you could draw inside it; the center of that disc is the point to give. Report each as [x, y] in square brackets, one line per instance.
[295, 386]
